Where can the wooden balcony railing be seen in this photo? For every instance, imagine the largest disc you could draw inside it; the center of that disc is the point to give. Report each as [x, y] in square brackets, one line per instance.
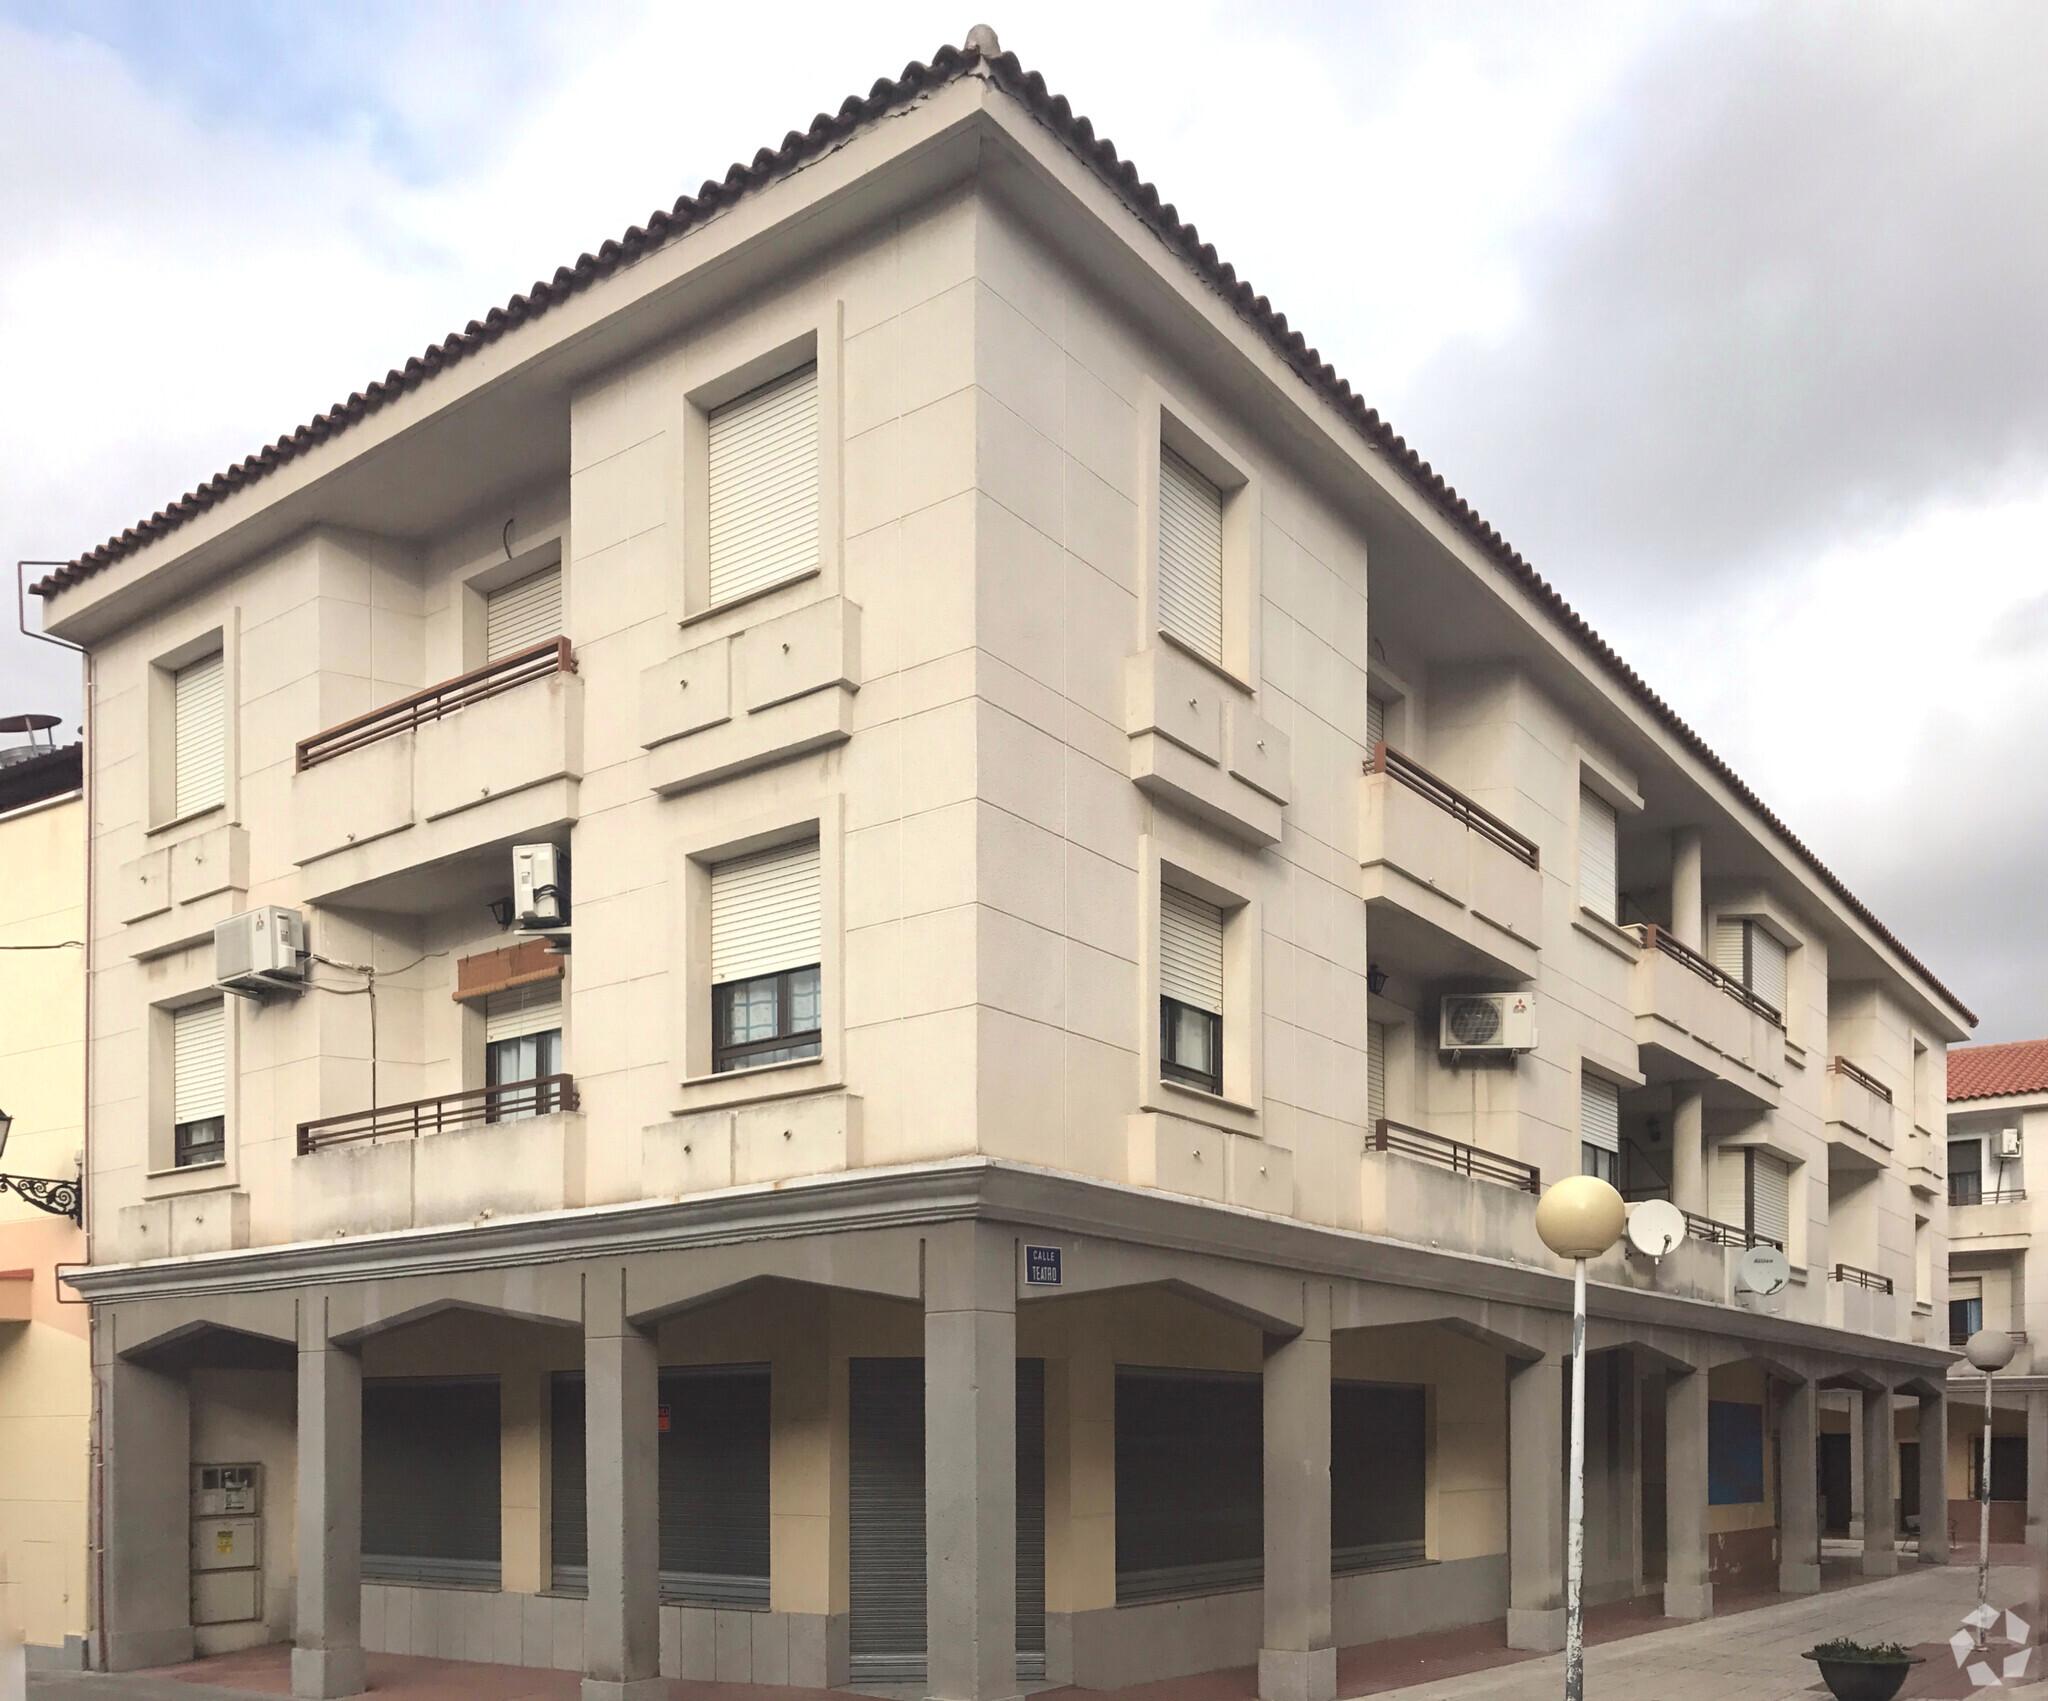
[510, 1103]
[432, 704]
[1385, 759]
[1855, 1278]
[1862, 1077]
[1655, 938]
[1453, 1155]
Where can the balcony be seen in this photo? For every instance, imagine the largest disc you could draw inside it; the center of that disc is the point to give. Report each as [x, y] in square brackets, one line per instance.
[1861, 1301]
[1453, 890]
[410, 807]
[1860, 1113]
[514, 1150]
[1987, 1219]
[1695, 1023]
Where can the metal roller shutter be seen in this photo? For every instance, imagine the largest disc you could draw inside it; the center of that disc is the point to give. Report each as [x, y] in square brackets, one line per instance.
[762, 486]
[1728, 1185]
[1375, 1074]
[1190, 1483]
[430, 1480]
[1190, 951]
[521, 1010]
[886, 1534]
[1770, 1197]
[1730, 952]
[1031, 1519]
[568, 1487]
[766, 913]
[199, 736]
[1597, 856]
[714, 1485]
[1190, 557]
[522, 614]
[1375, 722]
[1599, 1112]
[1379, 1452]
[1767, 967]
[199, 1062]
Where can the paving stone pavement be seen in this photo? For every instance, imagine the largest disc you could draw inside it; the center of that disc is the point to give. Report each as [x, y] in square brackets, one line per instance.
[1755, 1656]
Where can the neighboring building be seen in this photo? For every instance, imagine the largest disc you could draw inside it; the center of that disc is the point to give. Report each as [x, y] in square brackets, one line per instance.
[1032, 754]
[45, 1360]
[1997, 1115]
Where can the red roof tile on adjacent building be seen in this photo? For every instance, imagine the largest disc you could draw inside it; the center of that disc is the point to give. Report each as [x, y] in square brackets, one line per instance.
[1994, 1071]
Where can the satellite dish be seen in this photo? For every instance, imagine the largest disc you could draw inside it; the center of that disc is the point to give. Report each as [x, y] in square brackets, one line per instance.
[1764, 1271]
[1655, 1227]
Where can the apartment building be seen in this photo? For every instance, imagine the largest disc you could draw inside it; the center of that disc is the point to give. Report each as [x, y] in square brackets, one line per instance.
[840, 839]
[1997, 1113]
[45, 1364]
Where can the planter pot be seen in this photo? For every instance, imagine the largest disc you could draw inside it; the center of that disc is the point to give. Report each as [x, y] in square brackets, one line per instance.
[1863, 1680]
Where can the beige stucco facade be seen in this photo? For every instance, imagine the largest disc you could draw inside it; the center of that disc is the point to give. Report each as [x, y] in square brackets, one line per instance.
[45, 1374]
[968, 698]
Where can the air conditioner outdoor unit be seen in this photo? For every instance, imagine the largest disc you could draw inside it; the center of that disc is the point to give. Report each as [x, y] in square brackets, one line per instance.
[1493, 1022]
[540, 888]
[2008, 1143]
[260, 952]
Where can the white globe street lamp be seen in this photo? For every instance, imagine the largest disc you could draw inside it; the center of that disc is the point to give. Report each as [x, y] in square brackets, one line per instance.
[1579, 1217]
[1990, 1350]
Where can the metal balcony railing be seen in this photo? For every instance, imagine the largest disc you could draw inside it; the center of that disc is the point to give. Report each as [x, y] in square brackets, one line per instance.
[1862, 1077]
[1453, 1155]
[1711, 1230]
[1385, 759]
[513, 1102]
[1969, 1189]
[436, 701]
[1851, 1276]
[1655, 938]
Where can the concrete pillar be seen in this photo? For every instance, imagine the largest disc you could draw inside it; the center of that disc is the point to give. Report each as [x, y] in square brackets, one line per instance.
[327, 1646]
[1799, 1490]
[1933, 1480]
[1298, 1660]
[621, 1396]
[1536, 1504]
[1688, 891]
[146, 1428]
[1880, 1466]
[1688, 1593]
[1688, 1148]
[2037, 1474]
[970, 1463]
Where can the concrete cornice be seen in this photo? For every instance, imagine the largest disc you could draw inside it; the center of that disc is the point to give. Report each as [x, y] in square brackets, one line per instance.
[966, 1188]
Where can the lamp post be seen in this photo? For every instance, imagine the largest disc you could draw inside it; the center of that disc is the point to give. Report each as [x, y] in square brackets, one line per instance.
[1579, 1217]
[1990, 1350]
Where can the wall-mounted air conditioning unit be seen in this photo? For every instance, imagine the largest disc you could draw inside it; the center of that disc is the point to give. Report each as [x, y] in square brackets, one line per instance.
[1492, 1022]
[540, 890]
[2008, 1144]
[260, 952]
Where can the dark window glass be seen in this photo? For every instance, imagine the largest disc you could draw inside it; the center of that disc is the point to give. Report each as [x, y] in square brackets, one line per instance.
[1379, 1454]
[1965, 1318]
[508, 1062]
[430, 1481]
[202, 1142]
[1597, 1160]
[1190, 1483]
[769, 1019]
[1190, 1045]
[1966, 1172]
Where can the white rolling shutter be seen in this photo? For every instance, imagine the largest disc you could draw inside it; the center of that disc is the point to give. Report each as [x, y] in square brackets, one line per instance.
[1190, 557]
[1728, 954]
[522, 614]
[534, 1008]
[766, 913]
[1190, 951]
[1375, 1074]
[1767, 967]
[1375, 722]
[199, 732]
[762, 486]
[199, 1062]
[1597, 890]
[1727, 1183]
[1770, 1195]
[1599, 1112]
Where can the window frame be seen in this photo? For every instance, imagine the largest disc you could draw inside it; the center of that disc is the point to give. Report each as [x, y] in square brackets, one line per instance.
[217, 637]
[1170, 1066]
[164, 1175]
[1180, 855]
[731, 1057]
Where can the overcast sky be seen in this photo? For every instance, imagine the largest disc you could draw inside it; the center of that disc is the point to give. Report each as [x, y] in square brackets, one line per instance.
[1734, 319]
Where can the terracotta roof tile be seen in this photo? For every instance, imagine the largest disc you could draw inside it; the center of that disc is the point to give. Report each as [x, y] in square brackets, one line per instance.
[1993, 1071]
[1120, 175]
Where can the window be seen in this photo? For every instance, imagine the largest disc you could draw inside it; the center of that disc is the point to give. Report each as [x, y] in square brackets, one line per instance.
[2008, 1467]
[1966, 1172]
[199, 1084]
[1748, 953]
[762, 486]
[431, 1488]
[522, 1044]
[1190, 557]
[766, 986]
[1735, 1453]
[1965, 1308]
[1379, 1474]
[1375, 722]
[1190, 1482]
[199, 736]
[1599, 1127]
[1597, 856]
[1190, 990]
[1375, 1075]
[522, 614]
